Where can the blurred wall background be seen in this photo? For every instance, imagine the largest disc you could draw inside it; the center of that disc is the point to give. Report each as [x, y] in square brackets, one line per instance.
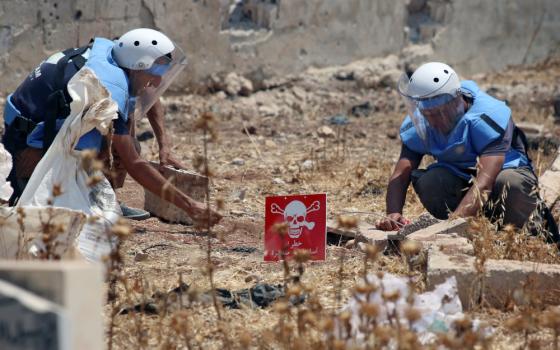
[264, 38]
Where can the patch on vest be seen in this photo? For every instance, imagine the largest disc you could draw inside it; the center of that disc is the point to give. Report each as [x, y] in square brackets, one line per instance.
[407, 126]
[459, 149]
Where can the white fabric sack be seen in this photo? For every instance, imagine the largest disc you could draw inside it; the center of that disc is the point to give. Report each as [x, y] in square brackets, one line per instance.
[91, 107]
[5, 168]
[23, 229]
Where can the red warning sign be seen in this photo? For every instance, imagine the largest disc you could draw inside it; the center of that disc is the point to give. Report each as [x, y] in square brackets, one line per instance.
[295, 222]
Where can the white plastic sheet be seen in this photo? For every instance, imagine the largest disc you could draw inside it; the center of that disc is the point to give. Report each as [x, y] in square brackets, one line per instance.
[438, 308]
[91, 107]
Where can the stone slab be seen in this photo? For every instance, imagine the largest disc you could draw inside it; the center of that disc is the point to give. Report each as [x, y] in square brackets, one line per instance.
[501, 278]
[364, 232]
[30, 322]
[556, 163]
[456, 226]
[531, 129]
[452, 244]
[549, 184]
[76, 286]
[190, 183]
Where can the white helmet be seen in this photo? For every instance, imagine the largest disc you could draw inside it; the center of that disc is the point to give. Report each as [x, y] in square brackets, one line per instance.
[432, 98]
[429, 80]
[139, 48]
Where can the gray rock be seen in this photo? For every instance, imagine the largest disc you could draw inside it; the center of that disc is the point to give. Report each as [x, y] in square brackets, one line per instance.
[238, 161]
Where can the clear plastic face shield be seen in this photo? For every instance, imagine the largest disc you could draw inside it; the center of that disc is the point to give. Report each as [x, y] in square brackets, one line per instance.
[438, 113]
[148, 85]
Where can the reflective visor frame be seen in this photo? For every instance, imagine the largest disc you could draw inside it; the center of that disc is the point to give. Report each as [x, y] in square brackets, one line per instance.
[158, 70]
[435, 102]
[166, 68]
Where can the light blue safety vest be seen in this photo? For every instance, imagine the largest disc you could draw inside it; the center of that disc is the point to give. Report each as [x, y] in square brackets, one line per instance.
[112, 77]
[483, 123]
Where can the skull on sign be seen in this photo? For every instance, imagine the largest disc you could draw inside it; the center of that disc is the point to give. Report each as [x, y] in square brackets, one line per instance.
[295, 215]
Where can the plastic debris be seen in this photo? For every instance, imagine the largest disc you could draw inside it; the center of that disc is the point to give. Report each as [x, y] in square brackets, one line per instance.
[438, 309]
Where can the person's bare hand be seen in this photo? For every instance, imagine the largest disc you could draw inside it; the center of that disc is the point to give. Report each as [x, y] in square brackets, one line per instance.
[166, 159]
[392, 222]
[199, 214]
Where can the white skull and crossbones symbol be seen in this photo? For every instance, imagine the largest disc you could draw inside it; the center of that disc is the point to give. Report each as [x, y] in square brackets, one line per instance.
[295, 215]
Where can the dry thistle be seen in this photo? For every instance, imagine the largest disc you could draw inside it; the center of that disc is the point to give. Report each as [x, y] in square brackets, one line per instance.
[347, 221]
[383, 335]
[551, 318]
[220, 203]
[294, 291]
[327, 325]
[121, 229]
[198, 162]
[88, 156]
[339, 344]
[206, 122]
[280, 228]
[56, 190]
[360, 171]
[392, 296]
[412, 314]
[369, 309]
[301, 255]
[245, 339]
[410, 248]
[282, 307]
[371, 251]
[94, 180]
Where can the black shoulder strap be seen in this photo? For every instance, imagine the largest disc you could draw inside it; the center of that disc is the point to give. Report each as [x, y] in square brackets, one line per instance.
[497, 128]
[520, 134]
[57, 105]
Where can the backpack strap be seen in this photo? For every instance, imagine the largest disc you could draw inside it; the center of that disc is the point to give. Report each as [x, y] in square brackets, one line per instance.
[57, 106]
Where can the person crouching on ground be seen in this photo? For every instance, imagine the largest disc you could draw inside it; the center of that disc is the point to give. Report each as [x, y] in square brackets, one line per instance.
[135, 69]
[481, 156]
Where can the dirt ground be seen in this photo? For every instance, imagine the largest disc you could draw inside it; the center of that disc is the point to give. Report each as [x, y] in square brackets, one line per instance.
[274, 141]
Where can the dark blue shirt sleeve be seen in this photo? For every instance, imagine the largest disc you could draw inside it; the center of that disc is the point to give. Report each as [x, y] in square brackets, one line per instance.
[502, 145]
[120, 126]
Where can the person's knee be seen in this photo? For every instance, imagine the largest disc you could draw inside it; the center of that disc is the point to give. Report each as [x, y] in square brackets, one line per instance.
[514, 196]
[511, 185]
[440, 191]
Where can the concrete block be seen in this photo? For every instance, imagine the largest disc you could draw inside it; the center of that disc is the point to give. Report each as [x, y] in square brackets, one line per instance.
[457, 226]
[30, 322]
[190, 183]
[556, 163]
[501, 278]
[531, 129]
[74, 285]
[451, 244]
[364, 233]
[549, 184]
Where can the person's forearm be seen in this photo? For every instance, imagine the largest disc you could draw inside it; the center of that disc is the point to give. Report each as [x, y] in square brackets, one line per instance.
[474, 199]
[396, 193]
[156, 119]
